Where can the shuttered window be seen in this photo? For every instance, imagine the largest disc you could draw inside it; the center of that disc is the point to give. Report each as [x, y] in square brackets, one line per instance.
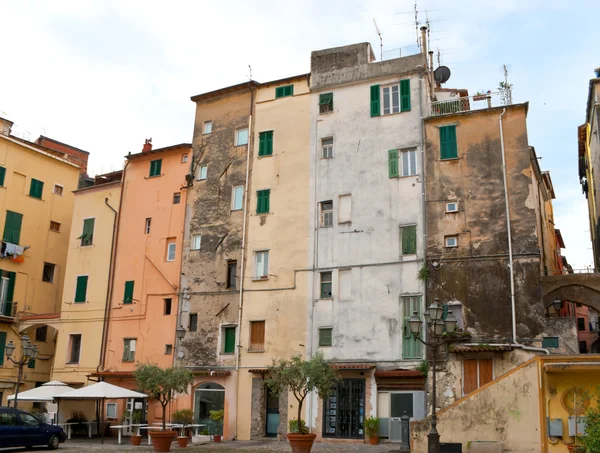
[326, 336]
[281, 92]
[229, 340]
[193, 322]
[2, 176]
[325, 102]
[7, 291]
[409, 240]
[411, 348]
[129, 349]
[87, 236]
[12, 227]
[448, 146]
[393, 163]
[155, 167]
[2, 346]
[128, 294]
[405, 95]
[265, 143]
[36, 188]
[476, 373]
[263, 201]
[375, 100]
[31, 363]
[257, 336]
[81, 288]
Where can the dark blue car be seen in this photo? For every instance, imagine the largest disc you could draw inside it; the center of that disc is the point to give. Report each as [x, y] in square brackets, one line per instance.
[21, 429]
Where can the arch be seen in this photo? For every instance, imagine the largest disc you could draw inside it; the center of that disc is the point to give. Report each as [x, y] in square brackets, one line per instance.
[210, 386]
[208, 396]
[575, 293]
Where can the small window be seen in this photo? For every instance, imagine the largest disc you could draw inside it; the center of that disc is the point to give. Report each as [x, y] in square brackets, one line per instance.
[55, 226]
[409, 240]
[171, 249]
[58, 189]
[451, 241]
[87, 236]
[202, 172]
[148, 225]
[129, 349]
[326, 285]
[177, 198]
[281, 92]
[168, 349]
[241, 137]
[193, 322]
[74, 348]
[237, 198]
[581, 324]
[391, 99]
[111, 411]
[550, 342]
[231, 274]
[2, 176]
[257, 336]
[448, 144]
[128, 293]
[207, 127]
[48, 273]
[196, 241]
[184, 158]
[167, 303]
[452, 207]
[41, 333]
[326, 214]
[81, 289]
[408, 162]
[36, 189]
[155, 167]
[228, 340]
[325, 336]
[263, 201]
[265, 143]
[261, 264]
[326, 103]
[327, 148]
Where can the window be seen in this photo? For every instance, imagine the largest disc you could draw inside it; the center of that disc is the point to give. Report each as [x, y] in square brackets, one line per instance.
[2, 176]
[281, 92]
[31, 363]
[58, 189]
[193, 322]
[391, 99]
[452, 207]
[12, 227]
[326, 103]
[476, 373]
[583, 347]
[184, 158]
[171, 249]
[409, 240]
[202, 172]
[207, 127]
[196, 241]
[408, 165]
[326, 214]
[265, 143]
[411, 347]
[261, 264]
[29, 420]
[550, 342]
[168, 349]
[41, 333]
[48, 273]
[448, 145]
[128, 292]
[345, 208]
[231, 274]
[241, 137]
[74, 348]
[148, 225]
[326, 285]
[393, 163]
[451, 241]
[237, 198]
[263, 201]
[177, 198]
[167, 308]
[257, 336]
[81, 289]
[55, 226]
[228, 339]
[325, 336]
[581, 324]
[87, 236]
[327, 148]
[129, 349]
[396, 98]
[8, 419]
[155, 167]
[111, 411]
[36, 188]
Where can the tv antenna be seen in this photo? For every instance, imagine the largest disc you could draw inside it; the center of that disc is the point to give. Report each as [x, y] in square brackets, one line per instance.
[250, 75]
[380, 39]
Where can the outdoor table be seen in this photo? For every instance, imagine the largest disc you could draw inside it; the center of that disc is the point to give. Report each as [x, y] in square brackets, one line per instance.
[69, 430]
[120, 428]
[197, 428]
[149, 428]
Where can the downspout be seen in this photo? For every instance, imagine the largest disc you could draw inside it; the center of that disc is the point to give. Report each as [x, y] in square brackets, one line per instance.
[423, 195]
[242, 265]
[510, 252]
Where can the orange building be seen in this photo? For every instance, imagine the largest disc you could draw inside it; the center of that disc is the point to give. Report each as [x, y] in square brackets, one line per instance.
[147, 263]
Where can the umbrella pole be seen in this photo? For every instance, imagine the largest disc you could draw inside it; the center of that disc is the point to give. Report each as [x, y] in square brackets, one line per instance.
[98, 416]
[102, 411]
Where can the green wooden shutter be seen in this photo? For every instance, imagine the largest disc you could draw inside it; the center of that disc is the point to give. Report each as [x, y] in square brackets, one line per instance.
[2, 346]
[265, 143]
[87, 235]
[36, 188]
[393, 163]
[10, 293]
[325, 337]
[155, 167]
[126, 351]
[81, 288]
[411, 348]
[375, 106]
[229, 340]
[12, 227]
[448, 146]
[31, 363]
[409, 240]
[405, 95]
[289, 90]
[278, 92]
[2, 176]
[263, 201]
[128, 295]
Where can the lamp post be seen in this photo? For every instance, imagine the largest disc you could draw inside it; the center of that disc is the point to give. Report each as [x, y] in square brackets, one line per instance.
[28, 351]
[180, 332]
[435, 327]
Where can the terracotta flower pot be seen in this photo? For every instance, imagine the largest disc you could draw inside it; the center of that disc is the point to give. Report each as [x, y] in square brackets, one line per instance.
[373, 440]
[136, 440]
[301, 443]
[161, 440]
[183, 441]
[217, 438]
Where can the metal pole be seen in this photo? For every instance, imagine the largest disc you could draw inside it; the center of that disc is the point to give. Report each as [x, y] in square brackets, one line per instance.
[433, 438]
[19, 376]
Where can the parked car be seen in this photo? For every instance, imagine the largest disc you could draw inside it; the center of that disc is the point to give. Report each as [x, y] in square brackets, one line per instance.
[21, 429]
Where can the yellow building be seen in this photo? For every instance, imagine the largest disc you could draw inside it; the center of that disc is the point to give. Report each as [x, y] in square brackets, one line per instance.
[36, 202]
[79, 343]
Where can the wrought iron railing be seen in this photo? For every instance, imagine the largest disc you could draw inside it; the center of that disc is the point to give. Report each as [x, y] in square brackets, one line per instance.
[8, 309]
[465, 104]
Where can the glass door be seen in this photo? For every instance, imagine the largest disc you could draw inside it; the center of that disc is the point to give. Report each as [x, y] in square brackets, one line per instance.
[272, 414]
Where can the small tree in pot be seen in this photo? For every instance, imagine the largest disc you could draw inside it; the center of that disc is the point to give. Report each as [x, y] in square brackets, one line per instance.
[217, 417]
[185, 417]
[301, 377]
[162, 384]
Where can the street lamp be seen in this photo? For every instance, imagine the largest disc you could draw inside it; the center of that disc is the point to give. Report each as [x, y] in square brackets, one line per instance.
[180, 333]
[435, 327]
[557, 304]
[29, 352]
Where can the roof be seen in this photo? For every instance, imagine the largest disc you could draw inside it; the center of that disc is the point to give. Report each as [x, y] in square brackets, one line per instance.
[226, 90]
[39, 149]
[25, 317]
[121, 374]
[258, 370]
[352, 366]
[559, 238]
[482, 348]
[286, 79]
[101, 390]
[43, 137]
[46, 392]
[158, 150]
[399, 373]
[548, 182]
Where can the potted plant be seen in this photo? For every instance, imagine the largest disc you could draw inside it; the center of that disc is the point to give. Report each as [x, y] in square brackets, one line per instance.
[481, 96]
[136, 418]
[372, 430]
[301, 377]
[162, 384]
[185, 417]
[217, 418]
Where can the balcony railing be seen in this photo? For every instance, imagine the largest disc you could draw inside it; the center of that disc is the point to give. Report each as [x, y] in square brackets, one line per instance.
[466, 104]
[8, 309]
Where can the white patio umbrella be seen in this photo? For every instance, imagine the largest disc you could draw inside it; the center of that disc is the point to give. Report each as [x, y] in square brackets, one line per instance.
[45, 392]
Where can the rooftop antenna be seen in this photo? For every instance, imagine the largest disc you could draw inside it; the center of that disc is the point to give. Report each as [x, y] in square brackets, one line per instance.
[380, 39]
[250, 75]
[417, 26]
[439, 57]
[506, 85]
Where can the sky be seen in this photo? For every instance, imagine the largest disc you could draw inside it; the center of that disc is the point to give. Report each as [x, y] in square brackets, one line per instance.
[104, 75]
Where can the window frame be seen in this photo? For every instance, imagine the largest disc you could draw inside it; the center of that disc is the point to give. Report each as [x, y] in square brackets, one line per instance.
[177, 198]
[14, 216]
[55, 223]
[224, 329]
[91, 238]
[70, 348]
[193, 242]
[325, 107]
[444, 145]
[265, 143]
[323, 284]
[167, 306]
[450, 211]
[127, 358]
[261, 209]
[320, 337]
[184, 158]
[451, 236]
[479, 385]
[390, 95]
[169, 244]
[237, 132]
[264, 336]
[148, 225]
[62, 189]
[87, 281]
[207, 125]
[200, 176]
[403, 230]
[327, 149]
[414, 160]
[284, 91]
[54, 266]
[128, 300]
[193, 326]
[34, 186]
[108, 413]
[168, 349]
[265, 276]
[155, 168]
[233, 198]
[39, 337]
[228, 282]
[325, 214]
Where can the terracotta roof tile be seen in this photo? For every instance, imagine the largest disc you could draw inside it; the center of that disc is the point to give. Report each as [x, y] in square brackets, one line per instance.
[125, 374]
[352, 366]
[25, 317]
[467, 349]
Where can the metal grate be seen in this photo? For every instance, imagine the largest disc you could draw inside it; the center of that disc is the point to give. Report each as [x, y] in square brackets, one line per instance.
[345, 409]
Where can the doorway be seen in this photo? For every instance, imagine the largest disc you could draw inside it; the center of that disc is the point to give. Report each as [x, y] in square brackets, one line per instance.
[272, 428]
[134, 405]
[344, 410]
[413, 403]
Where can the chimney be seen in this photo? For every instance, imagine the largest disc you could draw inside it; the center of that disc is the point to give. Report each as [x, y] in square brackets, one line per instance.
[147, 145]
[424, 40]
[5, 126]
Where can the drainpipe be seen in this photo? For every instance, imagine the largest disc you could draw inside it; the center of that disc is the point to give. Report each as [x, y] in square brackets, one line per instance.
[510, 251]
[423, 194]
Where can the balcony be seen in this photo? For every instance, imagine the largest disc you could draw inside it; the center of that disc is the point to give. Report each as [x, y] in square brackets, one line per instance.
[8, 311]
[467, 103]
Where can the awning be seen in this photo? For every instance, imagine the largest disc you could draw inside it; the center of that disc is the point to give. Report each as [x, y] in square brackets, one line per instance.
[101, 390]
[467, 349]
[45, 392]
[116, 374]
[258, 370]
[400, 380]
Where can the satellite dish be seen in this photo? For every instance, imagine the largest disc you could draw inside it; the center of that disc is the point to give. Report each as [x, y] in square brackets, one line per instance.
[441, 74]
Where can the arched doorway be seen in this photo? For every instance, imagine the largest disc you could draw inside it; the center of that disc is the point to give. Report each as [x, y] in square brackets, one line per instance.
[208, 396]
